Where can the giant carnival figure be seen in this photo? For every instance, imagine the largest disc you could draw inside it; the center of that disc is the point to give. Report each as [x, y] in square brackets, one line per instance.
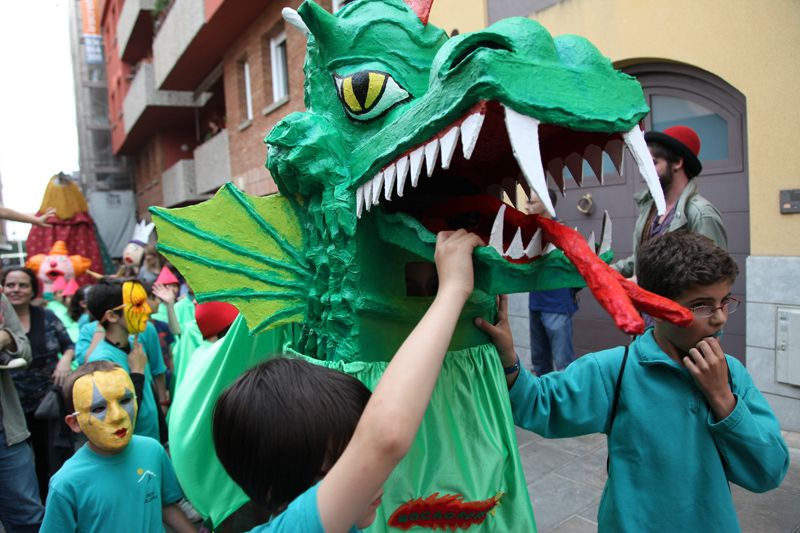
[73, 225]
[407, 133]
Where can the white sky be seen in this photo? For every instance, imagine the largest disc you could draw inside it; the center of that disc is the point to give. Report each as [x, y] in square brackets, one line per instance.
[38, 132]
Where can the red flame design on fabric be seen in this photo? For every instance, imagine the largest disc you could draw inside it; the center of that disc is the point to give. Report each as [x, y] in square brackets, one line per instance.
[443, 512]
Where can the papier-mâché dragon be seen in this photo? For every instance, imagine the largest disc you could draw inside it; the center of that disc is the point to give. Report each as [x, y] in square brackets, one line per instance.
[408, 132]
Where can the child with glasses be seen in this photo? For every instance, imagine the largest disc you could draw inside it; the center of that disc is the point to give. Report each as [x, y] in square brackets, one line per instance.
[686, 418]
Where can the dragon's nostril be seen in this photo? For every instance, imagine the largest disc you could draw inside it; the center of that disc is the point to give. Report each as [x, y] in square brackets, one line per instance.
[470, 49]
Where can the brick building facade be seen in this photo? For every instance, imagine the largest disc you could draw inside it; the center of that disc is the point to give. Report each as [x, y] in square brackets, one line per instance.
[194, 87]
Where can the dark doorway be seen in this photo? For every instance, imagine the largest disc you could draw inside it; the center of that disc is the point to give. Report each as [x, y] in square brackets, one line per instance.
[676, 94]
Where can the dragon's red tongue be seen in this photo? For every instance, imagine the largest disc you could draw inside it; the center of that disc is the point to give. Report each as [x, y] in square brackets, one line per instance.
[616, 294]
[597, 274]
[619, 297]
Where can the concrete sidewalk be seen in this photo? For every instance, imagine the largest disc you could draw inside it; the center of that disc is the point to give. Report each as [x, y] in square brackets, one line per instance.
[566, 478]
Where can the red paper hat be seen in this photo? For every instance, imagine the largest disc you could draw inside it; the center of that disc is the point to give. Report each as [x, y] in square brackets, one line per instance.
[682, 140]
[59, 284]
[213, 317]
[71, 288]
[166, 277]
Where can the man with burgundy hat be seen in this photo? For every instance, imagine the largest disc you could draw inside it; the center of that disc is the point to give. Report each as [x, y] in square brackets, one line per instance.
[674, 152]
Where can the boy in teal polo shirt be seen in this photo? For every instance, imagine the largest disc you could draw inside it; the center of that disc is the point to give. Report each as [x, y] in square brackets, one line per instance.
[682, 419]
[106, 302]
[117, 481]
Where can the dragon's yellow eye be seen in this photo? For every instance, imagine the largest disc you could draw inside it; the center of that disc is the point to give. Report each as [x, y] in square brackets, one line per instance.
[368, 94]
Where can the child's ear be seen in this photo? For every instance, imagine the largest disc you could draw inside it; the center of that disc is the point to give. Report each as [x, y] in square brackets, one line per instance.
[111, 317]
[72, 422]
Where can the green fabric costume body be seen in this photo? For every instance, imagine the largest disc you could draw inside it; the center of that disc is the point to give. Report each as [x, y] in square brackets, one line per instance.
[335, 253]
[61, 311]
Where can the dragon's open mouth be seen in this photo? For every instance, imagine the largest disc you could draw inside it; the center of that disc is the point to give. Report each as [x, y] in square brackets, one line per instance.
[445, 188]
[501, 150]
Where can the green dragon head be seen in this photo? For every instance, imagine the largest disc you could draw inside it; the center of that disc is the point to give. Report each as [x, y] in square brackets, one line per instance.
[408, 133]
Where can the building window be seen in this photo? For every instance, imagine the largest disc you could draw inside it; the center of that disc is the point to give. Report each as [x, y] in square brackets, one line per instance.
[245, 89]
[101, 147]
[280, 67]
[668, 111]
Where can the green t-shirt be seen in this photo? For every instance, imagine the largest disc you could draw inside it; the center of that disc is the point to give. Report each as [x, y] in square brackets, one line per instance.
[122, 492]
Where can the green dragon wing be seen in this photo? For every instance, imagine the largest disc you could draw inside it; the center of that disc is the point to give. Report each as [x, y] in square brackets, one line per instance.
[240, 249]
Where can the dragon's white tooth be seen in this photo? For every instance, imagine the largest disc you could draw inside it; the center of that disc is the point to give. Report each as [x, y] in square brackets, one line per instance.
[574, 163]
[509, 186]
[389, 175]
[431, 154]
[635, 142]
[556, 169]
[416, 164]
[470, 130]
[594, 156]
[368, 195]
[526, 189]
[605, 234]
[535, 246]
[515, 249]
[402, 172]
[496, 237]
[523, 131]
[359, 201]
[377, 187]
[448, 145]
[591, 242]
[549, 248]
[615, 148]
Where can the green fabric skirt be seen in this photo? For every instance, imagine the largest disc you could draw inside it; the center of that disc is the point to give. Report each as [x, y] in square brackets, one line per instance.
[463, 470]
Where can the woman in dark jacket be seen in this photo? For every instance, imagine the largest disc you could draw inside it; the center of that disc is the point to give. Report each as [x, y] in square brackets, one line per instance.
[48, 339]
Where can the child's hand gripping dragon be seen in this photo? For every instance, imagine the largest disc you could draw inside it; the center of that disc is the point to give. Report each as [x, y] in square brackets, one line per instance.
[408, 133]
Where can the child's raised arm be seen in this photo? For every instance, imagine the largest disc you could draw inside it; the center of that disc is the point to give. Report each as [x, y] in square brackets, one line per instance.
[351, 490]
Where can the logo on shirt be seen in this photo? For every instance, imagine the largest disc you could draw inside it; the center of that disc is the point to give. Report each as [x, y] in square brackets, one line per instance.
[151, 488]
[145, 475]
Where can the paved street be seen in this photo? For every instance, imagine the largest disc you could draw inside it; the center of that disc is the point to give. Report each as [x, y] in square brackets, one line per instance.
[566, 478]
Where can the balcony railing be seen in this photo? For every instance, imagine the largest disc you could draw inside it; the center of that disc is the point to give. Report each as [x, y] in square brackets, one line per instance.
[179, 183]
[143, 94]
[134, 21]
[185, 19]
[213, 163]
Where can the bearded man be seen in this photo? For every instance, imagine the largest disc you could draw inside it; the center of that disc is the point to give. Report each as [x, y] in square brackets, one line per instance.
[675, 155]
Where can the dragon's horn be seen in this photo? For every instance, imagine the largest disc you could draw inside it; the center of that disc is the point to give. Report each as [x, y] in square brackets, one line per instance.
[422, 8]
[317, 20]
[292, 17]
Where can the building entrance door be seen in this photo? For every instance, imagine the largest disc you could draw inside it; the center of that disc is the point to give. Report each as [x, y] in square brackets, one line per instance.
[676, 94]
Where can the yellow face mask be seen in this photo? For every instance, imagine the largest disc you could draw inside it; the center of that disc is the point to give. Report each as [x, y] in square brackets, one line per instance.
[135, 307]
[105, 406]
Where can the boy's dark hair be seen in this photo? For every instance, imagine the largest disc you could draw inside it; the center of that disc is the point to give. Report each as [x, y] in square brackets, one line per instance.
[105, 295]
[283, 424]
[87, 368]
[680, 260]
[75, 310]
[27, 271]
